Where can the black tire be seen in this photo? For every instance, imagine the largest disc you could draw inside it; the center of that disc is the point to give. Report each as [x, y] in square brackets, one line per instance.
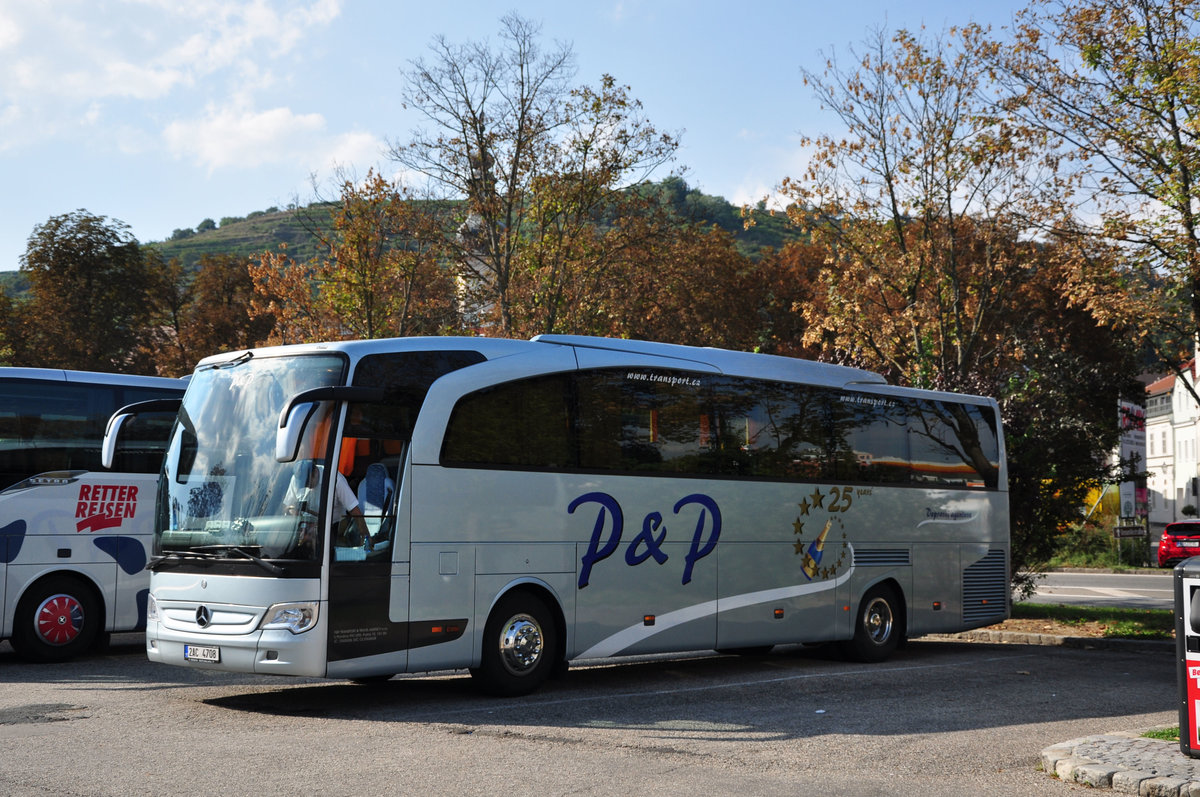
[58, 619]
[879, 626]
[520, 647]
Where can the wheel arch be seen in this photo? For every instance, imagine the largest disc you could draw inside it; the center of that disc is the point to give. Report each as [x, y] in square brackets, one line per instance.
[903, 609]
[540, 590]
[81, 576]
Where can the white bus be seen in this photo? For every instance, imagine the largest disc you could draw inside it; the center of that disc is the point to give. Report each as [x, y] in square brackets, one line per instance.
[74, 539]
[532, 502]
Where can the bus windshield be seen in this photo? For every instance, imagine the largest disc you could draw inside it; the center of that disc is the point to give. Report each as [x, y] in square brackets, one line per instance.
[222, 492]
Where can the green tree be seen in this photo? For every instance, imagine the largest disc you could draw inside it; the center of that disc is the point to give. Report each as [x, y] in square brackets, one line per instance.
[88, 306]
[533, 158]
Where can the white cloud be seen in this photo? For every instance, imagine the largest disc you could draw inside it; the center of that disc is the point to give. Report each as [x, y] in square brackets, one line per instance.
[62, 58]
[227, 137]
[10, 31]
[354, 149]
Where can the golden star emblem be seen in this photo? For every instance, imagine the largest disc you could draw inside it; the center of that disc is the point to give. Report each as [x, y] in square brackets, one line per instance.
[818, 500]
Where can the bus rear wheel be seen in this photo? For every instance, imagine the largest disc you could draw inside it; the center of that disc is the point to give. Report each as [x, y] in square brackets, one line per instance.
[520, 646]
[56, 620]
[878, 629]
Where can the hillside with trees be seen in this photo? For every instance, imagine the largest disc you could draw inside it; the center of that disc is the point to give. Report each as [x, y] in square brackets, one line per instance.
[299, 229]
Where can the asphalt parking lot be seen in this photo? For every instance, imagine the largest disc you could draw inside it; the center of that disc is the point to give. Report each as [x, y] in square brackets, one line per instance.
[940, 718]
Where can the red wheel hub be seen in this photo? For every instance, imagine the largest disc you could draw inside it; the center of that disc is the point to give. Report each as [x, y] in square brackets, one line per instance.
[59, 619]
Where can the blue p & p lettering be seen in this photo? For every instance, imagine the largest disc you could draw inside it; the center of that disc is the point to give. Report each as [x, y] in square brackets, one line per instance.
[596, 552]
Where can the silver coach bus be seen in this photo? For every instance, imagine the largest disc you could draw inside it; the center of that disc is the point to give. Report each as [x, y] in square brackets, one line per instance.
[365, 508]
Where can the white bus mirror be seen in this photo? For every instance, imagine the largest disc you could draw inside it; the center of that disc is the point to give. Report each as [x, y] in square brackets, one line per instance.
[108, 451]
[294, 417]
[291, 426]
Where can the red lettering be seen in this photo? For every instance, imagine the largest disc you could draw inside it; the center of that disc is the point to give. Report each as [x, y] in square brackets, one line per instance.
[130, 508]
[81, 509]
[133, 493]
[85, 492]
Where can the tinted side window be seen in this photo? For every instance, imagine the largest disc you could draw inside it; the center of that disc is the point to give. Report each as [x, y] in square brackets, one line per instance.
[523, 424]
[407, 377]
[771, 429]
[645, 420]
[869, 438]
[954, 444]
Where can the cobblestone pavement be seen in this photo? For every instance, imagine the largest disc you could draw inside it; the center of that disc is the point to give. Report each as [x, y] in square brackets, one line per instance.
[1125, 763]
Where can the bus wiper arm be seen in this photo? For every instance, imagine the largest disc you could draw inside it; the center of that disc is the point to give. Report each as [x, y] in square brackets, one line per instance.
[175, 557]
[270, 567]
[230, 550]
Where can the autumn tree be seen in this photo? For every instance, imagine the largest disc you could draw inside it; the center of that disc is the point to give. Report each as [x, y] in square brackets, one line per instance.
[928, 207]
[790, 288]
[285, 291]
[88, 304]
[8, 330]
[689, 285]
[537, 162]
[381, 274]
[1115, 86]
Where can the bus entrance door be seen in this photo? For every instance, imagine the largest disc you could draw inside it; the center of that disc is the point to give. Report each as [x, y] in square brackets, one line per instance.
[368, 580]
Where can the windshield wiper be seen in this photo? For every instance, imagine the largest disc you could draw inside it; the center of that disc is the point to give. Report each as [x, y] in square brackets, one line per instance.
[175, 557]
[230, 550]
[245, 356]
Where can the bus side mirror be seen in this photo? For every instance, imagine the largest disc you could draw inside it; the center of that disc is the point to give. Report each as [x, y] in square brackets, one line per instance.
[292, 421]
[112, 432]
[108, 451]
[294, 417]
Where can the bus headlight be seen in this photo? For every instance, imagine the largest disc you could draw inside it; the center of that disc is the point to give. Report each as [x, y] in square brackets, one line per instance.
[294, 617]
[151, 609]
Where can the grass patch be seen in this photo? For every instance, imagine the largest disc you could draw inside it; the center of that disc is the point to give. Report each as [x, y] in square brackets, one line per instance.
[1166, 734]
[1113, 622]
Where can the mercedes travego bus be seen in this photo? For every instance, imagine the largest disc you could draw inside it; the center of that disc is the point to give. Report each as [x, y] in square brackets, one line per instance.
[365, 508]
[74, 539]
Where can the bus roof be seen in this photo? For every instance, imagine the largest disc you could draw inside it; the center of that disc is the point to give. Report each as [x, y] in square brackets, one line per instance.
[732, 363]
[91, 377]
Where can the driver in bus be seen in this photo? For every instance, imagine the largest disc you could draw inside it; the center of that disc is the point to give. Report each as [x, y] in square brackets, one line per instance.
[305, 500]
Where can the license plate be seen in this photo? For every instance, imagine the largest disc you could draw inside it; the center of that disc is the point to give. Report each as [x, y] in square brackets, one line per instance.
[201, 653]
[1189, 543]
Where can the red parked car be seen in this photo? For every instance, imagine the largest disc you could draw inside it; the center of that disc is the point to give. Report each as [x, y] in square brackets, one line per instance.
[1179, 541]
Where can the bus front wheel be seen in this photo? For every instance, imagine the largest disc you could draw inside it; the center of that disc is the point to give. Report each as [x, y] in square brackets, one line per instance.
[520, 646]
[56, 620]
[878, 629]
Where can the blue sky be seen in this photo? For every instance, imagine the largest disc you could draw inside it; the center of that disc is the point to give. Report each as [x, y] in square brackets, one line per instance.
[162, 113]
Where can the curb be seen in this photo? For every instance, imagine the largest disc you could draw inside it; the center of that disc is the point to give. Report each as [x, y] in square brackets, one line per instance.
[1074, 642]
[1126, 763]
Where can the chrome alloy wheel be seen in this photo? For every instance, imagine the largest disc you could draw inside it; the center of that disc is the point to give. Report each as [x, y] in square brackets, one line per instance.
[521, 644]
[878, 621]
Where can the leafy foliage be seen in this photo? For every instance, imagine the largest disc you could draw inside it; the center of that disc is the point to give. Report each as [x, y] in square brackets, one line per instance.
[928, 208]
[88, 307]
